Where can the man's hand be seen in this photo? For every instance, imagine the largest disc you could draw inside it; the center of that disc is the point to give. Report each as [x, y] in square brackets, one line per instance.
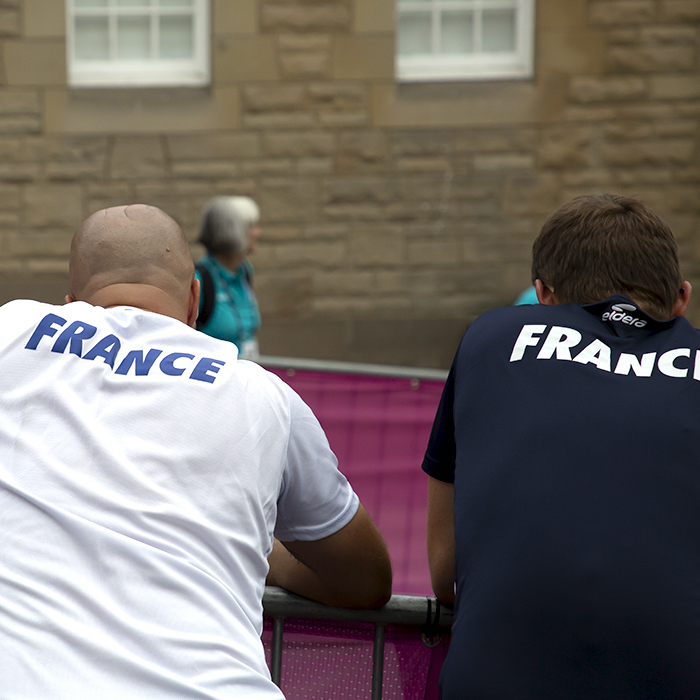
[349, 569]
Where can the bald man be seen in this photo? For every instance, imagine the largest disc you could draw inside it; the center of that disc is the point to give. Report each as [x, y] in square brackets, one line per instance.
[145, 472]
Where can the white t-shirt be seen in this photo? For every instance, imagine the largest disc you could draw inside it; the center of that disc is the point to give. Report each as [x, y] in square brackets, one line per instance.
[143, 470]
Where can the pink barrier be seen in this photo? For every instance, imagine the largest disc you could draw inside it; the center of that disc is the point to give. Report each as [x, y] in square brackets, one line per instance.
[378, 428]
[333, 661]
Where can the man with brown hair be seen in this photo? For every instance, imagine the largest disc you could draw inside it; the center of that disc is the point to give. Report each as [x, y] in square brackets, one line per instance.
[594, 247]
[565, 477]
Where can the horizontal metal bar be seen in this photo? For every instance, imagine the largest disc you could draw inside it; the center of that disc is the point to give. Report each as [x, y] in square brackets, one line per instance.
[411, 611]
[352, 368]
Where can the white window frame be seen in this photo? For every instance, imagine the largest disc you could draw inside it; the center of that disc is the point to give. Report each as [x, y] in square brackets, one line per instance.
[478, 65]
[140, 73]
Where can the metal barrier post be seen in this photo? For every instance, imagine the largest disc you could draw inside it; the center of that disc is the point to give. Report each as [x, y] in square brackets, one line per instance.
[276, 653]
[378, 662]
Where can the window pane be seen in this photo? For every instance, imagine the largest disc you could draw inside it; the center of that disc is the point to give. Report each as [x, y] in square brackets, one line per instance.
[133, 38]
[414, 33]
[133, 3]
[457, 32]
[90, 3]
[176, 37]
[91, 38]
[498, 27]
[176, 3]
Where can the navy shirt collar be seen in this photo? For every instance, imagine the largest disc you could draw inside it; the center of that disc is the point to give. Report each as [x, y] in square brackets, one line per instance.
[623, 316]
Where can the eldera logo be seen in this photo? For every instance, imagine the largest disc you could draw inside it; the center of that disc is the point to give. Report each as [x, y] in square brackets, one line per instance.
[619, 313]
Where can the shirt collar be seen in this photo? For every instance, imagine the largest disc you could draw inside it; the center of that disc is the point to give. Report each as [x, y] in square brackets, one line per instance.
[623, 316]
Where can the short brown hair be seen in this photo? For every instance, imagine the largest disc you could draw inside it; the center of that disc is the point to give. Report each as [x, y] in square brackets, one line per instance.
[599, 245]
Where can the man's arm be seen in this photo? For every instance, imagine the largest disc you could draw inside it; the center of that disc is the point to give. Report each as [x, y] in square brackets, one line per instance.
[441, 539]
[348, 569]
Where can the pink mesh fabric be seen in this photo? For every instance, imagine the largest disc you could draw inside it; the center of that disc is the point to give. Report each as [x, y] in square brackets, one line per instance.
[379, 427]
[333, 661]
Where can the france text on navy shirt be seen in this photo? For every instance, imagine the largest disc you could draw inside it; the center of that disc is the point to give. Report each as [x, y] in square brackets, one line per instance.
[559, 342]
[108, 348]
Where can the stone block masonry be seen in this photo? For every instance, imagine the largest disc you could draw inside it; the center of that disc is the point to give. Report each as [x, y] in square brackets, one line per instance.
[391, 211]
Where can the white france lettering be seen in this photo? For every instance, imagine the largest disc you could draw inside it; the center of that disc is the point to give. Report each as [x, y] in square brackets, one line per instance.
[45, 327]
[643, 368]
[696, 369]
[597, 353]
[666, 362]
[559, 340]
[525, 339]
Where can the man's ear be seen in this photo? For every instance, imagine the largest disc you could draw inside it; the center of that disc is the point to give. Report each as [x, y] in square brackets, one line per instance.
[544, 294]
[68, 299]
[681, 304]
[193, 306]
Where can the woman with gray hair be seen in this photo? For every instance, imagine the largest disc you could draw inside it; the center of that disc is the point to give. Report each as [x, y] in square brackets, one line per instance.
[228, 308]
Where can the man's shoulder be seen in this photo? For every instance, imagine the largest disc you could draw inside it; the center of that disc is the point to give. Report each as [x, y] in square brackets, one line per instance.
[530, 312]
[614, 335]
[18, 305]
[18, 313]
[502, 322]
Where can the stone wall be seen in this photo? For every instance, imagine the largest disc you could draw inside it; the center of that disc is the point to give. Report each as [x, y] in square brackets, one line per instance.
[393, 213]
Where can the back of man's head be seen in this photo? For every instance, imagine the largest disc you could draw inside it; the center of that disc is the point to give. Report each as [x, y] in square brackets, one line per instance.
[132, 255]
[599, 245]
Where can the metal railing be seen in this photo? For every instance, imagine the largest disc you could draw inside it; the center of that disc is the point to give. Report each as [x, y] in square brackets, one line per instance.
[426, 615]
[298, 363]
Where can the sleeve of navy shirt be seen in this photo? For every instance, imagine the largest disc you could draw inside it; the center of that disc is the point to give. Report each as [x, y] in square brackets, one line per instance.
[439, 460]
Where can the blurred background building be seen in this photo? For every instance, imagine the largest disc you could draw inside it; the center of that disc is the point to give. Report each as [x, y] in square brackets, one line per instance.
[403, 152]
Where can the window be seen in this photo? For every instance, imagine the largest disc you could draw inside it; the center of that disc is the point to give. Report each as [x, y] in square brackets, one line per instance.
[137, 42]
[464, 39]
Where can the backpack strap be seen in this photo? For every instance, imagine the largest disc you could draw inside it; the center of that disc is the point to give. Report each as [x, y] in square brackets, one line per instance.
[247, 269]
[206, 304]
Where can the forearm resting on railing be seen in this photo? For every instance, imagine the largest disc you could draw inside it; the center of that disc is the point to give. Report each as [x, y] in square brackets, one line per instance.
[441, 539]
[349, 569]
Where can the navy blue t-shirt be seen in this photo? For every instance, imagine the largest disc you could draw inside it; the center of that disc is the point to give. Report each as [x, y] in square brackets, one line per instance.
[572, 436]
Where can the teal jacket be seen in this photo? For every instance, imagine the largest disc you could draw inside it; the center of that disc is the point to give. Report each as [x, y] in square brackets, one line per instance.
[235, 316]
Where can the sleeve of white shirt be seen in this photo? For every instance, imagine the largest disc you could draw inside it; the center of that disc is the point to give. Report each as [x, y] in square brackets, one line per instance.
[315, 500]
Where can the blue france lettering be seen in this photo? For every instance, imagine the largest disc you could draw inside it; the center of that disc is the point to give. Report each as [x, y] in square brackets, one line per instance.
[45, 327]
[107, 348]
[206, 365]
[75, 334]
[74, 337]
[136, 358]
[167, 364]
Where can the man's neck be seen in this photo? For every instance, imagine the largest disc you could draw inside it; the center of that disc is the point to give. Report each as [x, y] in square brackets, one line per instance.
[140, 296]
